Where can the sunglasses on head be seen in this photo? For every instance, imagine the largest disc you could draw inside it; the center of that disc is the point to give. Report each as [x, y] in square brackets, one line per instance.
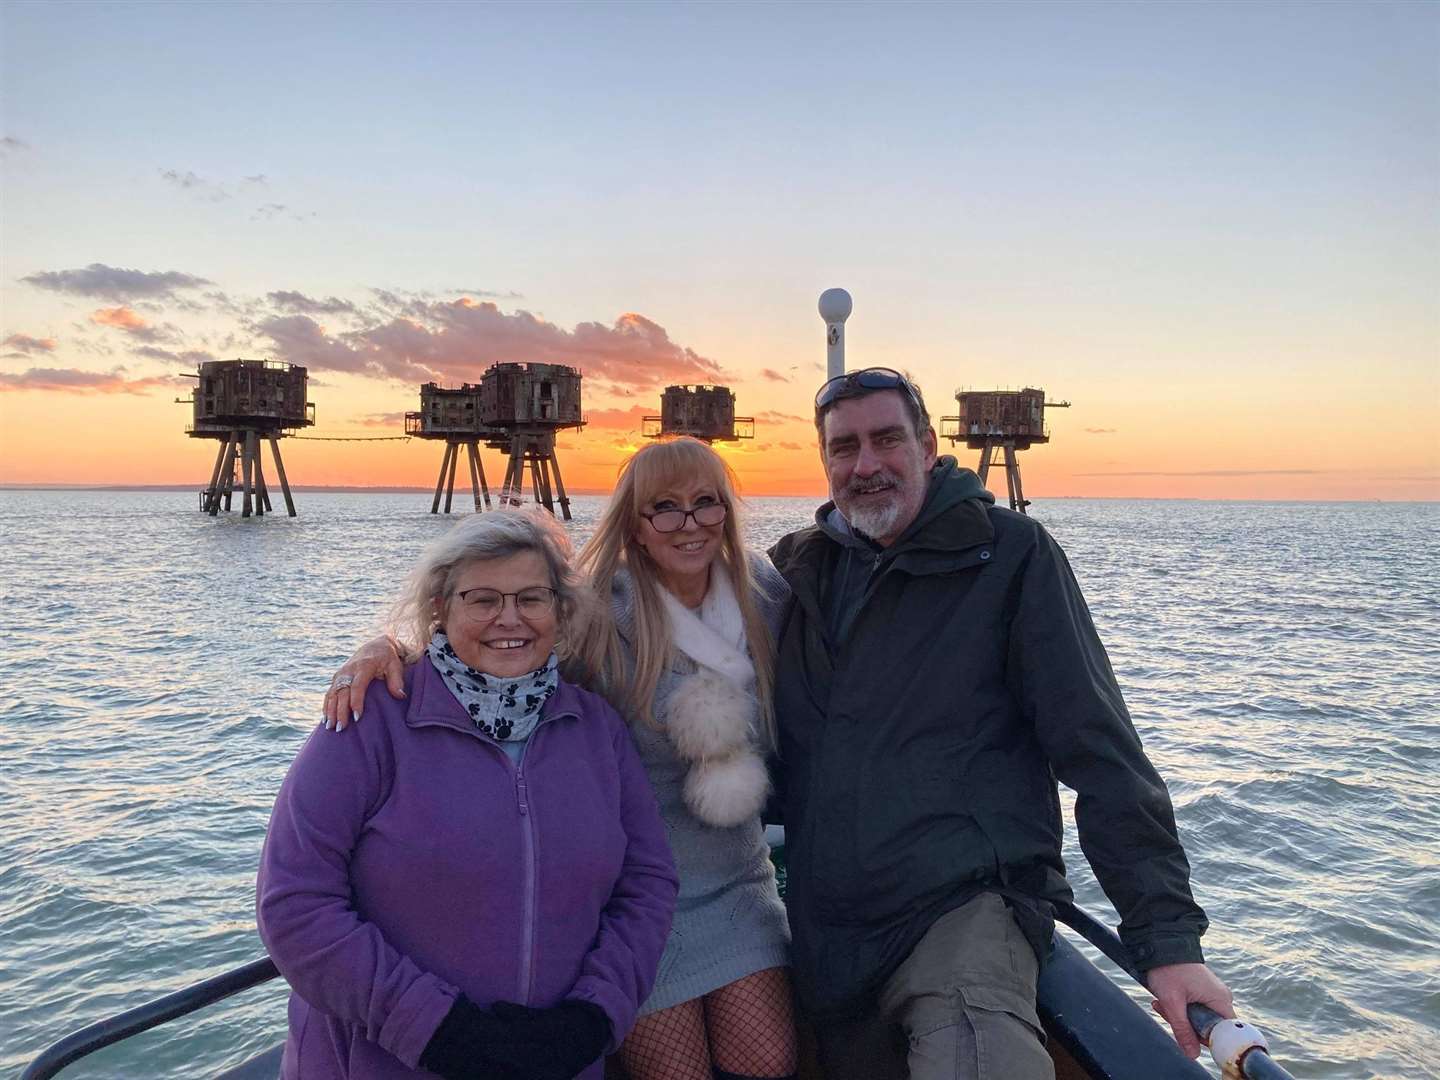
[874, 378]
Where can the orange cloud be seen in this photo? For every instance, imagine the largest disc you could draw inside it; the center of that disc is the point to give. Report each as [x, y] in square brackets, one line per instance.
[122, 318]
[454, 341]
[24, 343]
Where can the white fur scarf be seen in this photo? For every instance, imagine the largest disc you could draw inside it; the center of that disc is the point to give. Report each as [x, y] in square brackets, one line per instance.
[710, 717]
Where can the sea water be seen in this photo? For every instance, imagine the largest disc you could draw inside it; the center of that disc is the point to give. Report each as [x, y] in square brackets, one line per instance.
[161, 669]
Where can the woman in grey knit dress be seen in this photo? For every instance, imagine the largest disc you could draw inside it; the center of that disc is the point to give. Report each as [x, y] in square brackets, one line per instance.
[685, 650]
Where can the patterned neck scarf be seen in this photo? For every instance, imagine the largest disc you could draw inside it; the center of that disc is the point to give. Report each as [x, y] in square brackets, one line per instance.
[504, 709]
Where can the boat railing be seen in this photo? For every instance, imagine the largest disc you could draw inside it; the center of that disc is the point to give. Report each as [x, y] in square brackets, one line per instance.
[106, 1032]
[1238, 1048]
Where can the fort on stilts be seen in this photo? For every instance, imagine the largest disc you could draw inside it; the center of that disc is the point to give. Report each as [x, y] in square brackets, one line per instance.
[700, 411]
[238, 403]
[999, 423]
[517, 409]
[453, 415]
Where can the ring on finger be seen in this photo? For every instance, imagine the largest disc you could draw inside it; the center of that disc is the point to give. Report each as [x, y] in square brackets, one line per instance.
[342, 681]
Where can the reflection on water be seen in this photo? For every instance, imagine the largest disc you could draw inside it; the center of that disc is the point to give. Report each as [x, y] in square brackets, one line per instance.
[162, 669]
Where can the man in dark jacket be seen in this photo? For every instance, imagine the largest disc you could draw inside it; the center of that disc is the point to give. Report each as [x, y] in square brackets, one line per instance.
[938, 673]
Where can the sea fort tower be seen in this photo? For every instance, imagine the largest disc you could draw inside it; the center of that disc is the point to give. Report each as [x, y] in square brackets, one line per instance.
[238, 403]
[702, 412]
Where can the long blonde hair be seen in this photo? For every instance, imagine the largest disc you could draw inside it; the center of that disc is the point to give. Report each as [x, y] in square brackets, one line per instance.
[649, 472]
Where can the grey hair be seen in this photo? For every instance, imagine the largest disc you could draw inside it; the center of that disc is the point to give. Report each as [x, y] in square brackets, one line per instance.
[496, 534]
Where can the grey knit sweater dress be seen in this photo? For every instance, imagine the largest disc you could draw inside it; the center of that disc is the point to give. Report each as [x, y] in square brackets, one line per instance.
[729, 920]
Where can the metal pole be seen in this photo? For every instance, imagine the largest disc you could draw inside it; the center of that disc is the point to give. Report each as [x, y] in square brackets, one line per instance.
[450, 479]
[246, 466]
[835, 307]
[472, 456]
[440, 484]
[280, 469]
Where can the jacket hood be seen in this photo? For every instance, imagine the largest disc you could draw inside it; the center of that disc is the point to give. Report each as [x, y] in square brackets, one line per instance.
[950, 485]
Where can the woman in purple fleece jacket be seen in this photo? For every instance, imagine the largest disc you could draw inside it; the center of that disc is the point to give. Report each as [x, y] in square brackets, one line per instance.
[479, 884]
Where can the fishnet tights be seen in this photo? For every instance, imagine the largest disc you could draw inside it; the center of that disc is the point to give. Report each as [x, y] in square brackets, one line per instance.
[747, 1028]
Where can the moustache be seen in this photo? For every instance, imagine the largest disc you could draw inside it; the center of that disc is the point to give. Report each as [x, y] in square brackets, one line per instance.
[881, 481]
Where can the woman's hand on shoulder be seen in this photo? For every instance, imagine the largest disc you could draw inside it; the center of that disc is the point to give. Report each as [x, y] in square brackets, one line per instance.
[345, 700]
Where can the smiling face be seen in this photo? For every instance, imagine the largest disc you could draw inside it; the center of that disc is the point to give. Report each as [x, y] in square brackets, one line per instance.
[682, 558]
[877, 466]
[511, 643]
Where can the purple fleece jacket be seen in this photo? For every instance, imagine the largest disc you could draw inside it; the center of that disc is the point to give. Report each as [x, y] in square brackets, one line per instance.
[408, 860]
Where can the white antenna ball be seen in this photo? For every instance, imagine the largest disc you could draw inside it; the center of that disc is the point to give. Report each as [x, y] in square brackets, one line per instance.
[835, 305]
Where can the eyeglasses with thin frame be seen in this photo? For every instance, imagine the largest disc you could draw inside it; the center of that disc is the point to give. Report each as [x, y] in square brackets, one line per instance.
[668, 521]
[483, 605]
[874, 378]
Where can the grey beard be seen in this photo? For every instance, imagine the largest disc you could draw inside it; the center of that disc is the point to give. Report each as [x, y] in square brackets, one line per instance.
[876, 521]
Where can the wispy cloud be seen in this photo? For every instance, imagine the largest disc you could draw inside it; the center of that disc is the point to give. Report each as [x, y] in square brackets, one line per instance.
[11, 145]
[195, 184]
[619, 419]
[272, 210]
[76, 381]
[1100, 430]
[773, 375]
[770, 416]
[383, 419]
[25, 345]
[115, 283]
[1216, 472]
[188, 357]
[298, 302]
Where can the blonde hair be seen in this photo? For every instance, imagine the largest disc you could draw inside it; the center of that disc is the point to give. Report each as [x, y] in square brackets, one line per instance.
[481, 538]
[649, 472]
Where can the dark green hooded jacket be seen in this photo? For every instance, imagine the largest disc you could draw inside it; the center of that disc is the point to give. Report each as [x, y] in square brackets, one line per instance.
[920, 754]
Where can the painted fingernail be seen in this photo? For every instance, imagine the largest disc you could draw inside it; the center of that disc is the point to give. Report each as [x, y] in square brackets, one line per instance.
[355, 716]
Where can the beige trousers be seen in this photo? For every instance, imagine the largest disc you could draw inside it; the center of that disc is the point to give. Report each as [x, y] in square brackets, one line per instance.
[961, 1007]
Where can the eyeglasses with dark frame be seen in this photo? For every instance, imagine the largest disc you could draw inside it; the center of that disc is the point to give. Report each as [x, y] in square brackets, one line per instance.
[874, 378]
[484, 605]
[668, 521]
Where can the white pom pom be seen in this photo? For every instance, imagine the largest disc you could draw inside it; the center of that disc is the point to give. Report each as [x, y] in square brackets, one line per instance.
[708, 716]
[725, 792]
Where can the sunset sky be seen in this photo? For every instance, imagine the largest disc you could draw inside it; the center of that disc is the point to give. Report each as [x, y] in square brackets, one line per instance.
[1212, 227]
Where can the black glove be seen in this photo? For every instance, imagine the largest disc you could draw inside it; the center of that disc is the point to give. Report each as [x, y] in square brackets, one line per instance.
[565, 1037]
[472, 1043]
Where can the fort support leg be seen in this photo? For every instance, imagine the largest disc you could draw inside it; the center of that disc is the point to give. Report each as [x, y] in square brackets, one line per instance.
[262, 493]
[484, 487]
[1017, 493]
[247, 459]
[560, 488]
[280, 471]
[450, 479]
[517, 471]
[227, 473]
[560, 496]
[544, 475]
[440, 483]
[986, 452]
[212, 492]
[505, 483]
[472, 457]
[535, 485]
